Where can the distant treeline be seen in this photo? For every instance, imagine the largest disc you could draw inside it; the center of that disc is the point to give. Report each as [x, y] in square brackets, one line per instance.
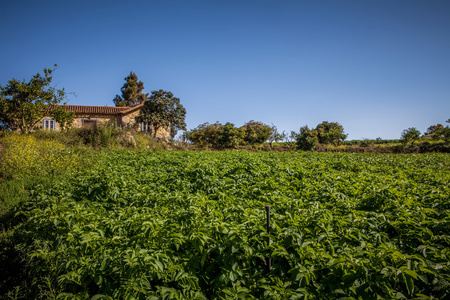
[326, 136]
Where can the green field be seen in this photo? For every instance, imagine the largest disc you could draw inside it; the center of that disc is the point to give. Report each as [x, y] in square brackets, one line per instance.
[191, 225]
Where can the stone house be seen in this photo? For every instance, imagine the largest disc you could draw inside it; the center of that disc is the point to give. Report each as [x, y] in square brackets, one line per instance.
[86, 116]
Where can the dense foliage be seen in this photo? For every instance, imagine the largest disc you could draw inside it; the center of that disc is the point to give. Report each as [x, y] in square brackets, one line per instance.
[443, 133]
[229, 136]
[307, 139]
[222, 136]
[325, 133]
[330, 133]
[410, 135]
[204, 134]
[433, 128]
[256, 132]
[190, 225]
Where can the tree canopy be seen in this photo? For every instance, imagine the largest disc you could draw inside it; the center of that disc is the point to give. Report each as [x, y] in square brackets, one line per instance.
[229, 136]
[324, 133]
[330, 133]
[443, 132]
[307, 139]
[256, 132]
[433, 128]
[24, 104]
[132, 92]
[204, 135]
[162, 110]
[410, 135]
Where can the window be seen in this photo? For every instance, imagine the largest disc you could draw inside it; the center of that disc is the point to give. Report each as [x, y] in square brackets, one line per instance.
[146, 127]
[88, 123]
[49, 124]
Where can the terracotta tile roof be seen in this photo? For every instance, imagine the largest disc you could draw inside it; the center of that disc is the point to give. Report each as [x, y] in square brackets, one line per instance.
[102, 110]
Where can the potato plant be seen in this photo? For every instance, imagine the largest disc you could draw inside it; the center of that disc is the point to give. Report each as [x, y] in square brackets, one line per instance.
[191, 225]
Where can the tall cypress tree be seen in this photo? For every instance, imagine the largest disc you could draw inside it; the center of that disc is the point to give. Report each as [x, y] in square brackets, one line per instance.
[131, 92]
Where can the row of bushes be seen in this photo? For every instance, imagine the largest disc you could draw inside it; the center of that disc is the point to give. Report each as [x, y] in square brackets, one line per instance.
[326, 136]
[221, 136]
[253, 135]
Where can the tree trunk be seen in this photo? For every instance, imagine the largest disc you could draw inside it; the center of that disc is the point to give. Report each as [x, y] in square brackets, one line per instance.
[155, 131]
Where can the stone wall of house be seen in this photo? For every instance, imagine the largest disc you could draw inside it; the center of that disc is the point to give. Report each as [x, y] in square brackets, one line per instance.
[130, 119]
[101, 119]
[163, 133]
[120, 120]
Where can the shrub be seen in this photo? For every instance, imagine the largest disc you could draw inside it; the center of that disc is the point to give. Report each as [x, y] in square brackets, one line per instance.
[366, 143]
[330, 133]
[204, 135]
[99, 136]
[256, 132]
[410, 135]
[443, 133]
[307, 139]
[217, 135]
[105, 136]
[229, 136]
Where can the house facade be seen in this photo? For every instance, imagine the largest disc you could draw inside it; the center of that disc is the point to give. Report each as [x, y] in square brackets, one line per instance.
[86, 116]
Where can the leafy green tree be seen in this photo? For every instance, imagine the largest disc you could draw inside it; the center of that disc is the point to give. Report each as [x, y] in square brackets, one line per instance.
[229, 136]
[63, 117]
[443, 132]
[410, 135]
[131, 92]
[433, 128]
[256, 132]
[23, 105]
[217, 135]
[307, 139]
[204, 135]
[330, 133]
[163, 110]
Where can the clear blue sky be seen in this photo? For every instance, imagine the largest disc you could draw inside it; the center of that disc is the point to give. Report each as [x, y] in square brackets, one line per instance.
[376, 66]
